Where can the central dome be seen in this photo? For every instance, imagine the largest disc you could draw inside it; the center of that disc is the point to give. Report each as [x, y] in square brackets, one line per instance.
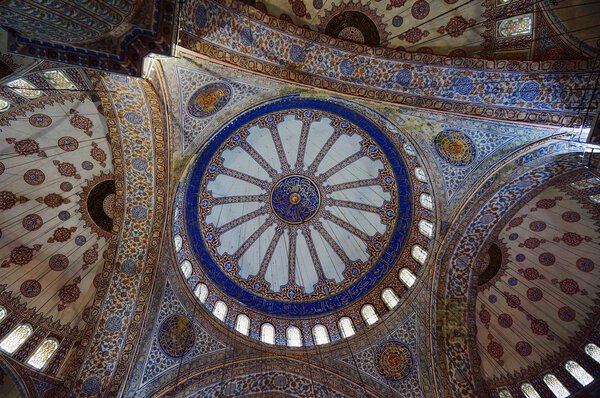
[297, 207]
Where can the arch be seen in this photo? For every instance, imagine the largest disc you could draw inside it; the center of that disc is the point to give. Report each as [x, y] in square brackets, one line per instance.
[220, 310]
[17, 337]
[186, 268]
[293, 336]
[4, 105]
[407, 277]
[369, 314]
[267, 333]
[409, 149]
[43, 353]
[58, 79]
[24, 88]
[320, 334]
[426, 201]
[557, 388]
[593, 351]
[201, 292]
[419, 254]
[426, 228]
[420, 174]
[578, 373]
[505, 394]
[529, 391]
[242, 324]
[516, 26]
[346, 327]
[178, 242]
[3, 313]
[390, 298]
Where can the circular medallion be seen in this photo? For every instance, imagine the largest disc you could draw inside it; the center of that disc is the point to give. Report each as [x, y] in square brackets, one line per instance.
[176, 336]
[455, 147]
[97, 204]
[58, 262]
[295, 199]
[31, 288]
[393, 360]
[34, 177]
[209, 99]
[292, 206]
[40, 120]
[68, 144]
[31, 222]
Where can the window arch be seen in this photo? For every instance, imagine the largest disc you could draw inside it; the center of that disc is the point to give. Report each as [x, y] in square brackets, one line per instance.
[409, 149]
[593, 351]
[346, 327]
[579, 373]
[420, 174]
[267, 333]
[17, 337]
[419, 254]
[178, 241]
[24, 88]
[3, 313]
[516, 26]
[426, 228]
[59, 80]
[407, 277]
[529, 391]
[390, 298]
[426, 201]
[220, 310]
[369, 315]
[186, 268]
[320, 334]
[556, 386]
[242, 324]
[4, 105]
[505, 394]
[293, 336]
[201, 291]
[43, 353]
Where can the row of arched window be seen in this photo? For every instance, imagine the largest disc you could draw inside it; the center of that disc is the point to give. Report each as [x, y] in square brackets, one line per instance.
[586, 184]
[19, 335]
[57, 79]
[553, 383]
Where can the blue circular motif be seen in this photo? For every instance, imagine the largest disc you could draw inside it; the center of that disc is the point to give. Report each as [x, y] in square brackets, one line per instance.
[133, 117]
[80, 240]
[529, 91]
[492, 298]
[463, 85]
[295, 199]
[318, 4]
[520, 257]
[297, 53]
[513, 281]
[64, 215]
[176, 336]
[209, 99]
[139, 164]
[91, 385]
[347, 67]
[139, 212]
[513, 236]
[113, 324]
[200, 16]
[455, 147]
[404, 77]
[397, 21]
[246, 36]
[128, 267]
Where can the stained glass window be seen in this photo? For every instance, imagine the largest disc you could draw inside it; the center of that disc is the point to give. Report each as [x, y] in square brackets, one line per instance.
[505, 394]
[267, 333]
[293, 336]
[43, 353]
[369, 315]
[409, 149]
[59, 80]
[4, 105]
[24, 88]
[407, 277]
[529, 391]
[585, 184]
[178, 242]
[419, 254]
[595, 198]
[186, 268]
[390, 298]
[579, 373]
[321, 334]
[220, 310]
[516, 26]
[346, 327]
[426, 228]
[16, 338]
[556, 386]
[242, 324]
[201, 291]
[420, 174]
[3, 313]
[593, 351]
[426, 201]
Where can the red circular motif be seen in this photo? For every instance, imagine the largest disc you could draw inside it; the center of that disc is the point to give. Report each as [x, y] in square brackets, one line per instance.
[66, 186]
[513, 301]
[484, 316]
[547, 259]
[34, 177]
[26, 147]
[31, 222]
[7, 200]
[572, 238]
[585, 264]
[546, 203]
[523, 348]
[571, 216]
[66, 169]
[515, 222]
[58, 262]
[21, 255]
[531, 274]
[68, 144]
[90, 256]
[569, 286]
[420, 9]
[495, 349]
[53, 200]
[532, 243]
[40, 120]
[69, 293]
[98, 154]
[534, 294]
[505, 320]
[31, 288]
[539, 327]
[566, 314]
[62, 234]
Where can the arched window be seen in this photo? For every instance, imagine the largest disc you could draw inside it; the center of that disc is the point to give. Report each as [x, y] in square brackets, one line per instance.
[346, 327]
[515, 26]
[579, 373]
[407, 277]
[556, 386]
[409, 149]
[178, 241]
[242, 324]
[426, 201]
[220, 310]
[390, 298]
[186, 268]
[369, 315]
[419, 254]
[4, 105]
[17, 337]
[3, 313]
[43, 353]
[267, 333]
[585, 184]
[593, 351]
[426, 228]
[529, 391]
[320, 334]
[505, 394]
[59, 80]
[420, 174]
[24, 88]
[595, 198]
[293, 336]
[201, 291]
